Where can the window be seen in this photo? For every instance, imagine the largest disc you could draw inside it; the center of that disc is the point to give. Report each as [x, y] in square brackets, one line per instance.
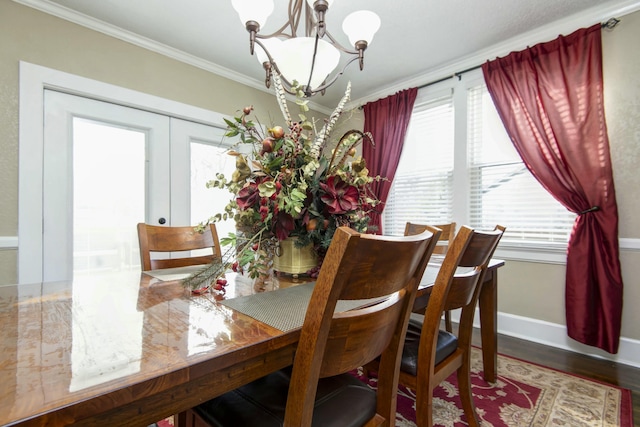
[422, 190]
[502, 189]
[458, 164]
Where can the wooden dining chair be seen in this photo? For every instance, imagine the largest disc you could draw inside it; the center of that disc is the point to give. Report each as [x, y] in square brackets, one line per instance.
[317, 389]
[446, 237]
[156, 239]
[430, 354]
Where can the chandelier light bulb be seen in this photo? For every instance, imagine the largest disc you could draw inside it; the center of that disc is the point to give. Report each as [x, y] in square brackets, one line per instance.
[253, 10]
[361, 26]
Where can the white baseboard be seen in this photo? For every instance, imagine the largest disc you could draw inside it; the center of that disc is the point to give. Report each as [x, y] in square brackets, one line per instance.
[555, 335]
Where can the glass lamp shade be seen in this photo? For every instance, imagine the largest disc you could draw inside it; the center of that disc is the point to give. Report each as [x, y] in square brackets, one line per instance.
[253, 10]
[296, 55]
[361, 25]
[273, 45]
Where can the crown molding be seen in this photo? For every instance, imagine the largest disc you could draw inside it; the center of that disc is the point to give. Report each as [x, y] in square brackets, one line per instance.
[70, 15]
[548, 32]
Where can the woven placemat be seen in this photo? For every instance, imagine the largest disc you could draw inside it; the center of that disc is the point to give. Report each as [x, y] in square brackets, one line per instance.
[284, 309]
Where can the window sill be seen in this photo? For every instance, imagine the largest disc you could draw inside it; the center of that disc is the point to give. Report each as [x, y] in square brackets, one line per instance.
[548, 253]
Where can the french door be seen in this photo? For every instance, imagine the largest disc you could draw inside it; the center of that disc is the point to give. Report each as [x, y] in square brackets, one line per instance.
[108, 167]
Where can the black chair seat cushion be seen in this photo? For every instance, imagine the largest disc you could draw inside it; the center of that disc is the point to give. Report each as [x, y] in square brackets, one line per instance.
[447, 344]
[340, 401]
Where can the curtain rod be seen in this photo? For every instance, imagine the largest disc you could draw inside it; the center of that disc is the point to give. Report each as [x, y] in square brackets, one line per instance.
[609, 25]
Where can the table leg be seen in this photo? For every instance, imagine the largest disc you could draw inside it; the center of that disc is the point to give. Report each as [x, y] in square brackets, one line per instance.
[489, 324]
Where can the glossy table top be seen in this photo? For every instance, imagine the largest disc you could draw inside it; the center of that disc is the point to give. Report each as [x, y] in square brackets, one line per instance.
[69, 342]
[129, 349]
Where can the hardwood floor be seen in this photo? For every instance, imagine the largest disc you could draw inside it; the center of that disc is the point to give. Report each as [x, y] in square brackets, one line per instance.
[602, 370]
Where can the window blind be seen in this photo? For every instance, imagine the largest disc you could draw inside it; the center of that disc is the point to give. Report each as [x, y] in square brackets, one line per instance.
[502, 190]
[422, 189]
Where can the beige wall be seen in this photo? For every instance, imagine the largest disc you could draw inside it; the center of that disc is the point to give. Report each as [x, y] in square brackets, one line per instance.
[35, 37]
[532, 290]
[621, 59]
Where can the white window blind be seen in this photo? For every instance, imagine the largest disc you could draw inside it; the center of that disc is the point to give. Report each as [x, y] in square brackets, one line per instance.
[502, 190]
[422, 190]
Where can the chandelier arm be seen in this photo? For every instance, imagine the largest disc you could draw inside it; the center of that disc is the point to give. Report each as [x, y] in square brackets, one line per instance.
[279, 33]
[293, 20]
[309, 23]
[313, 62]
[333, 79]
[337, 44]
[274, 67]
[295, 11]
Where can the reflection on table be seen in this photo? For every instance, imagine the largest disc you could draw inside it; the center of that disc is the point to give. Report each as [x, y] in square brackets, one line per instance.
[129, 349]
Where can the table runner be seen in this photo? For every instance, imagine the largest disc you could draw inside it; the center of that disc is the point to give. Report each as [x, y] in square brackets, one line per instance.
[284, 309]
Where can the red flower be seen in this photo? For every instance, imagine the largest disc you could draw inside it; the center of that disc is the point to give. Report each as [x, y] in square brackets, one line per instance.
[284, 225]
[264, 212]
[248, 196]
[339, 196]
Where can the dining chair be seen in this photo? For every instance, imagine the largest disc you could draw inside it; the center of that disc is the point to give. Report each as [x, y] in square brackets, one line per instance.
[156, 239]
[446, 237]
[430, 354]
[318, 389]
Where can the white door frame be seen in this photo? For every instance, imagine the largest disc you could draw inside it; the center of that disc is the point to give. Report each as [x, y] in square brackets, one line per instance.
[33, 80]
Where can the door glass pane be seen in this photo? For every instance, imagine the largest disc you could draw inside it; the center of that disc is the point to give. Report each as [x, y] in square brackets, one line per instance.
[108, 196]
[206, 161]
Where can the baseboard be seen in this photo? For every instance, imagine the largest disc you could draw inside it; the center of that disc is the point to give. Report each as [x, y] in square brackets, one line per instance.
[555, 335]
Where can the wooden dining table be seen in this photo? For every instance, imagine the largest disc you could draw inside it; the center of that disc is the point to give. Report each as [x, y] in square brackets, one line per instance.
[131, 348]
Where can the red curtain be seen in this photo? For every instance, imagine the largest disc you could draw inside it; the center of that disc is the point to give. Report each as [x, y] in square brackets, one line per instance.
[387, 119]
[551, 102]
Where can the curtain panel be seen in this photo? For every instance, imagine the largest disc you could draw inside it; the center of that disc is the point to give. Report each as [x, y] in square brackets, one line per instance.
[550, 99]
[387, 120]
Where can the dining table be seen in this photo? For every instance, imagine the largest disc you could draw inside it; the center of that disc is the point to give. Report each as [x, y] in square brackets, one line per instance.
[129, 348]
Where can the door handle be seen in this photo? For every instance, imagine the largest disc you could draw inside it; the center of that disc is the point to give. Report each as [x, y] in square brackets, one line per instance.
[162, 221]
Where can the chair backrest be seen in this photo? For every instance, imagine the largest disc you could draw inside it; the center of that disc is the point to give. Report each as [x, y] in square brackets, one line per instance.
[153, 238]
[458, 285]
[358, 267]
[446, 237]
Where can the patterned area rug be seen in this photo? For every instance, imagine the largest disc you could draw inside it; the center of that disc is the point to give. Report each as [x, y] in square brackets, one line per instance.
[525, 395]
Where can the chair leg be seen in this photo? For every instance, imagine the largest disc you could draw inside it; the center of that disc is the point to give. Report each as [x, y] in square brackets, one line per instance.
[447, 322]
[180, 420]
[424, 406]
[464, 387]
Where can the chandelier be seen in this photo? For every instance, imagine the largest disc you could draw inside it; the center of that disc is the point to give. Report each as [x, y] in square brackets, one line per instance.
[306, 60]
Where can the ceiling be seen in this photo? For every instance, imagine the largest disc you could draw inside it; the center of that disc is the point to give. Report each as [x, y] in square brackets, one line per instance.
[419, 40]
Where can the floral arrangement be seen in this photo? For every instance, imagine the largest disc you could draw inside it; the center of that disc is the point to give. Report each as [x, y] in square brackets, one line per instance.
[289, 187]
